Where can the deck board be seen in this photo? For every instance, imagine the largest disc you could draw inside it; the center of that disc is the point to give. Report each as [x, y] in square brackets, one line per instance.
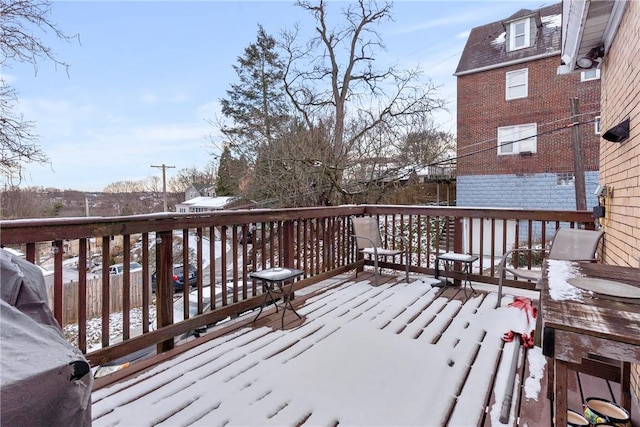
[228, 379]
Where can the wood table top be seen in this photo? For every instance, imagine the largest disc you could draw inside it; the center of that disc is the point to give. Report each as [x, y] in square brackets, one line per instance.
[567, 307]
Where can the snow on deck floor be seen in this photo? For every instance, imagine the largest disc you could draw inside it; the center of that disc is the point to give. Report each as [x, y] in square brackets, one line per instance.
[386, 355]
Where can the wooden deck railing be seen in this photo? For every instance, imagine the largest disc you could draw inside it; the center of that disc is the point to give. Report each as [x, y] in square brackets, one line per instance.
[226, 246]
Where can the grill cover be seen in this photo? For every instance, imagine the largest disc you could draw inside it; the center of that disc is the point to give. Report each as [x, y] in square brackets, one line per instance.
[44, 380]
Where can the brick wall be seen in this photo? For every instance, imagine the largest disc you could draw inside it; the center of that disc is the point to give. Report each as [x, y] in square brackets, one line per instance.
[620, 161]
[620, 166]
[482, 108]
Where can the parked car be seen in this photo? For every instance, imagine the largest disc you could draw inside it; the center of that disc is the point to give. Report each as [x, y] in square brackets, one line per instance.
[250, 233]
[119, 268]
[254, 235]
[178, 278]
[178, 315]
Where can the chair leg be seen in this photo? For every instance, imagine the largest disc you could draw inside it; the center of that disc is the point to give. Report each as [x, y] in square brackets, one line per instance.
[406, 262]
[375, 271]
[500, 288]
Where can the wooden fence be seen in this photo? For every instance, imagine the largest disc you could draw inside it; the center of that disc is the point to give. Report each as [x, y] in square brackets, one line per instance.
[94, 296]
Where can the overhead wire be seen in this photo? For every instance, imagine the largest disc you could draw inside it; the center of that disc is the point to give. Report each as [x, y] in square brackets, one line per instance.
[493, 147]
[492, 139]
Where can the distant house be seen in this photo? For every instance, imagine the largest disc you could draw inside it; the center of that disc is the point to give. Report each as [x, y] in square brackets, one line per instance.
[514, 135]
[199, 190]
[211, 204]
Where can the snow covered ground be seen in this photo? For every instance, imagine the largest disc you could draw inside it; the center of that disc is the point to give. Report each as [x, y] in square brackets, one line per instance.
[364, 356]
[94, 326]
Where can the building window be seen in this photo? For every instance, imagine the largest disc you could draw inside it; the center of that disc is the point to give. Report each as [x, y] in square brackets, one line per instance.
[517, 139]
[519, 34]
[592, 74]
[566, 178]
[596, 125]
[517, 84]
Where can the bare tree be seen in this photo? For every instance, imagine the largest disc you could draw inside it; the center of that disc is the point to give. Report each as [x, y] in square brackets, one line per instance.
[24, 203]
[19, 43]
[17, 142]
[290, 171]
[124, 187]
[152, 184]
[188, 176]
[426, 147]
[332, 76]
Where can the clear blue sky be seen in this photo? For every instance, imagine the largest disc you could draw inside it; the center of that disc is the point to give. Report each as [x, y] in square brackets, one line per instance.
[148, 75]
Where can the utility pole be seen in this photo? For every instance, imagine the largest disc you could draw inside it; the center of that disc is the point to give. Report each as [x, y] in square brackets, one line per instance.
[578, 162]
[164, 181]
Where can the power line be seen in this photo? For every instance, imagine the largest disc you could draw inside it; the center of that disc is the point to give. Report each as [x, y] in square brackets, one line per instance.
[540, 125]
[451, 159]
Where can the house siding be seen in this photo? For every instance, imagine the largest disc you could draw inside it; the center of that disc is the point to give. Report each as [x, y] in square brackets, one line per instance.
[620, 167]
[534, 191]
[620, 161]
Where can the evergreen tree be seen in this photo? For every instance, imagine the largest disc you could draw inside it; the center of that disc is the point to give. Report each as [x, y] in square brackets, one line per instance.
[229, 174]
[256, 106]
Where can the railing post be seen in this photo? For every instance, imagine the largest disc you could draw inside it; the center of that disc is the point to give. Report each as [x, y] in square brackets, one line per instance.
[58, 252]
[458, 230]
[164, 284]
[288, 244]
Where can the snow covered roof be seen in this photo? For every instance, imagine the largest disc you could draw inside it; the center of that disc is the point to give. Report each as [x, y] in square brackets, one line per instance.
[208, 202]
[485, 47]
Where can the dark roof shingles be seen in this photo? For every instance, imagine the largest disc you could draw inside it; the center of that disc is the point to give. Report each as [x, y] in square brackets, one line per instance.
[482, 50]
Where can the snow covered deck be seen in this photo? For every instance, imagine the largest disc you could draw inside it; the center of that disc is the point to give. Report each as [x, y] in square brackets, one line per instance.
[396, 354]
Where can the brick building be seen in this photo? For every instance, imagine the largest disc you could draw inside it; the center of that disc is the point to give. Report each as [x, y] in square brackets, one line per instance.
[515, 146]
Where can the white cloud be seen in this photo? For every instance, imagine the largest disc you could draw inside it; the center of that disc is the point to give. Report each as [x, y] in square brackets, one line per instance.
[7, 77]
[176, 97]
[208, 111]
[91, 146]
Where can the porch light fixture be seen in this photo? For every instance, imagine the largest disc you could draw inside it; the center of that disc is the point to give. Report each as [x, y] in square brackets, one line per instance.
[619, 132]
[594, 55]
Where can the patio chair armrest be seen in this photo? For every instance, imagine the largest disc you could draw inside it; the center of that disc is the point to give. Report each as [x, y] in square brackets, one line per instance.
[362, 237]
[506, 255]
[356, 237]
[586, 260]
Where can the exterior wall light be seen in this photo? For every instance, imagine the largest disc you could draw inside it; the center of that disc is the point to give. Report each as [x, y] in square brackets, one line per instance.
[593, 56]
[619, 132]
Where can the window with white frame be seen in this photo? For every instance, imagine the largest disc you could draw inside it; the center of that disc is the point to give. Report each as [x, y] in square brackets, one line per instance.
[565, 178]
[596, 125]
[517, 139]
[517, 84]
[519, 34]
[591, 74]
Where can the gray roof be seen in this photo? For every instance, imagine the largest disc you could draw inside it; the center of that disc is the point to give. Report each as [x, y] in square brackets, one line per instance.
[200, 187]
[486, 45]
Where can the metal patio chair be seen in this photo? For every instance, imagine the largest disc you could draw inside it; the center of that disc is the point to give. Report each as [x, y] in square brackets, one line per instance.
[366, 232]
[568, 244]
